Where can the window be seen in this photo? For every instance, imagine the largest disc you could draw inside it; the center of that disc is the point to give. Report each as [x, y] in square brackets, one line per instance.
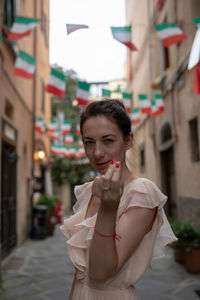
[194, 140]
[142, 157]
[10, 8]
[9, 110]
[42, 97]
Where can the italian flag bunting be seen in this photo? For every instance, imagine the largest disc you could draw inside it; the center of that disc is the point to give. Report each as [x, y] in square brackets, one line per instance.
[135, 116]
[56, 149]
[54, 136]
[66, 127]
[52, 126]
[160, 103]
[79, 152]
[78, 130]
[169, 34]
[106, 93]
[196, 82]
[69, 140]
[123, 35]
[82, 93]
[24, 65]
[21, 27]
[194, 57]
[126, 98]
[80, 142]
[73, 27]
[56, 83]
[154, 109]
[40, 125]
[145, 104]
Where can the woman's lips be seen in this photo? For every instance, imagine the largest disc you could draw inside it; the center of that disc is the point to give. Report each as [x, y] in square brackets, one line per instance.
[102, 165]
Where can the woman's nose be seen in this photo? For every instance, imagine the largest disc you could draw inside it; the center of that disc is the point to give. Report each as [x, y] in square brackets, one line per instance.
[98, 151]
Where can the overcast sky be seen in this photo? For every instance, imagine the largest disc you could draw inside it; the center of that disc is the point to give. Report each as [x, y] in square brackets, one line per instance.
[92, 53]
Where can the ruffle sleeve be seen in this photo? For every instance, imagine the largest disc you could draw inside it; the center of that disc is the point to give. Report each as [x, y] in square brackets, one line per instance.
[79, 231]
[144, 193]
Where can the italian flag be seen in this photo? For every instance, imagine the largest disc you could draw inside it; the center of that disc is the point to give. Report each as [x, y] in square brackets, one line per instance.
[105, 93]
[24, 65]
[194, 57]
[78, 130]
[54, 136]
[123, 35]
[154, 109]
[135, 116]
[40, 125]
[52, 126]
[56, 83]
[69, 140]
[169, 34]
[69, 151]
[57, 149]
[21, 27]
[73, 27]
[82, 93]
[79, 153]
[80, 143]
[160, 103]
[145, 104]
[66, 127]
[126, 98]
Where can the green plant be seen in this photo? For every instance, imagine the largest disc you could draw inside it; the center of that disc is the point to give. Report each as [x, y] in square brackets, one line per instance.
[187, 233]
[45, 199]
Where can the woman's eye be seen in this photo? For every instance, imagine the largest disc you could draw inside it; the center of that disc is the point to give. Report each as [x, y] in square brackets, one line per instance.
[88, 142]
[108, 141]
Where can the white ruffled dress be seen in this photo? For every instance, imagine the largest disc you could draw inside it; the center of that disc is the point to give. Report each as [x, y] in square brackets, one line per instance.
[79, 231]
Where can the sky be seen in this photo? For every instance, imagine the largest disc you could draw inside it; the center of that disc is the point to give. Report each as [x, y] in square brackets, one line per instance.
[93, 53]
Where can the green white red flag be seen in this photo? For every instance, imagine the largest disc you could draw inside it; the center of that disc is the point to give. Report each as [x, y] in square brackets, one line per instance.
[126, 98]
[78, 130]
[194, 57]
[160, 103]
[154, 109]
[57, 149]
[56, 83]
[79, 152]
[69, 151]
[196, 82]
[40, 125]
[169, 34]
[21, 27]
[144, 103]
[52, 126]
[69, 140]
[123, 35]
[83, 92]
[105, 93]
[135, 116]
[24, 65]
[55, 135]
[66, 127]
[73, 27]
[80, 142]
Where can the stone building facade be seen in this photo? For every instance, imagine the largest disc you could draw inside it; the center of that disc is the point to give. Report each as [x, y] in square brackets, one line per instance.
[167, 147]
[21, 102]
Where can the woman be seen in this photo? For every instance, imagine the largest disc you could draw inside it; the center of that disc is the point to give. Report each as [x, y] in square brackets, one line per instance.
[119, 224]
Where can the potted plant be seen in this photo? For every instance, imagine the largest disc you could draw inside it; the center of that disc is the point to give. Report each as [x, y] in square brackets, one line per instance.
[192, 248]
[178, 246]
[50, 202]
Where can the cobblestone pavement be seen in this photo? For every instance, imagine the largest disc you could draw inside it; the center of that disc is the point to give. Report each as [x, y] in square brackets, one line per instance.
[41, 269]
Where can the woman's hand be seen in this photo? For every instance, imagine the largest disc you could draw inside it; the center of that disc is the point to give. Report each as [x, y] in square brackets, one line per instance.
[109, 186]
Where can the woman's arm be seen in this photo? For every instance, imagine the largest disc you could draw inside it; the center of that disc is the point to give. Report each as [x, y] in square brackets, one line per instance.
[108, 255]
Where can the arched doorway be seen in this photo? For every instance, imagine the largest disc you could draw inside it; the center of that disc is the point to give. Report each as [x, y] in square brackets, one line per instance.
[168, 169]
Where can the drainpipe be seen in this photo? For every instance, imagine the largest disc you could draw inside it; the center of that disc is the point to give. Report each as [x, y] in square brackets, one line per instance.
[34, 104]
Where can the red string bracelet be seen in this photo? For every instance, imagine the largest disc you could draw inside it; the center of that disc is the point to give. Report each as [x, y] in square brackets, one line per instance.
[115, 235]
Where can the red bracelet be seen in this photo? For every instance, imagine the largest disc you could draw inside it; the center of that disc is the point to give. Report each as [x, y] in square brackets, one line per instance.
[115, 235]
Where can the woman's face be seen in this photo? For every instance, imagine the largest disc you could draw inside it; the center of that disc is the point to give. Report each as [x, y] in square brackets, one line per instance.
[103, 141]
